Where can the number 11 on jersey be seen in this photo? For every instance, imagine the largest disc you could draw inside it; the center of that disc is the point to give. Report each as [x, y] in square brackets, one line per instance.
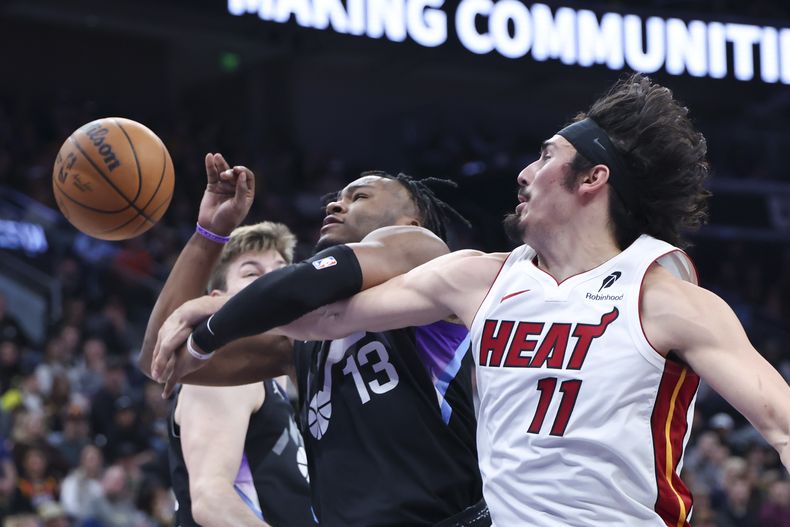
[547, 387]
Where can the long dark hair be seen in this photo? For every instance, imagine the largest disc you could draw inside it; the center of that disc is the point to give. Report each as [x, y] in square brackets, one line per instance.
[664, 155]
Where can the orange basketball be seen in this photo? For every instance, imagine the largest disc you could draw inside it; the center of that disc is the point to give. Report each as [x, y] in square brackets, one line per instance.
[113, 178]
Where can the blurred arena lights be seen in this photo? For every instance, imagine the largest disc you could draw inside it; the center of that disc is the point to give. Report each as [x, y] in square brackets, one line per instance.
[575, 37]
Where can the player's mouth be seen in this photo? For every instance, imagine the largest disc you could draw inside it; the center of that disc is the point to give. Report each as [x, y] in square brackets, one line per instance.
[329, 222]
[523, 198]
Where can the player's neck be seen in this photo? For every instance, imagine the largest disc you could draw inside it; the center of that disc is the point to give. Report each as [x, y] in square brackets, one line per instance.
[575, 251]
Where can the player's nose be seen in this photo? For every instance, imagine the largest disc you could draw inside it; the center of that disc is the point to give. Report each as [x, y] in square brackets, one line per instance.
[523, 176]
[335, 207]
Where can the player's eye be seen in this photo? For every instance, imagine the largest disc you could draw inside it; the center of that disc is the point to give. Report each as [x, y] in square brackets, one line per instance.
[355, 197]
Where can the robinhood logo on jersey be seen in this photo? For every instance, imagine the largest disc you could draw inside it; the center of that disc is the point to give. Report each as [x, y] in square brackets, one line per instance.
[607, 282]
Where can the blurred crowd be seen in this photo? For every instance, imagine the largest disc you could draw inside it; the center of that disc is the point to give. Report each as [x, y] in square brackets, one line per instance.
[84, 434]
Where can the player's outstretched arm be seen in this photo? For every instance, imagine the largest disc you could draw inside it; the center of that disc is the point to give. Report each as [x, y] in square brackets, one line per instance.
[702, 329]
[213, 425]
[226, 202]
[282, 296]
[454, 284]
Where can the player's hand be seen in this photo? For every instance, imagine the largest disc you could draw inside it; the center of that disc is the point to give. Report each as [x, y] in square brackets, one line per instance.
[179, 366]
[169, 356]
[228, 196]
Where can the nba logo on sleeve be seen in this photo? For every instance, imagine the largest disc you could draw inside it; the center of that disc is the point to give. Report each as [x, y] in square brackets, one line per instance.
[323, 263]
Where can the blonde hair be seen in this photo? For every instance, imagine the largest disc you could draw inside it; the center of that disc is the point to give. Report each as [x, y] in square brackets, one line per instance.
[264, 236]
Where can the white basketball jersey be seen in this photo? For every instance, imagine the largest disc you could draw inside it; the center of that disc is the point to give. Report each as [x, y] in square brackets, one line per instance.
[581, 421]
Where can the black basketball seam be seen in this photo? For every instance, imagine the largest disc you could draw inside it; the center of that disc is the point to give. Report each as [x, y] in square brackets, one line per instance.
[156, 191]
[165, 202]
[137, 231]
[108, 180]
[153, 195]
[100, 211]
[161, 178]
[124, 224]
[136, 161]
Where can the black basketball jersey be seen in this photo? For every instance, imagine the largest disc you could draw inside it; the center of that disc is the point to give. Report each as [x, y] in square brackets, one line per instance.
[388, 423]
[272, 478]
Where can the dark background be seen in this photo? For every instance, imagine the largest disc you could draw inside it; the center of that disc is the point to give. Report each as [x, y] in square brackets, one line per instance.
[308, 110]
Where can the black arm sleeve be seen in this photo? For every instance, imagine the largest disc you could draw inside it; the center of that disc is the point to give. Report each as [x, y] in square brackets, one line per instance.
[280, 297]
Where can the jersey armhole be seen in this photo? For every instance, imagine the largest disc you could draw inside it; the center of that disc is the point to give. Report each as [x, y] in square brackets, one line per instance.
[681, 266]
[490, 286]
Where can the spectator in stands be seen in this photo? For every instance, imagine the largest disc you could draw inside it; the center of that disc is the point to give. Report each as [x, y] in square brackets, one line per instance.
[739, 507]
[8, 481]
[52, 514]
[776, 510]
[89, 371]
[82, 487]
[115, 508]
[127, 437]
[10, 364]
[75, 435]
[115, 384]
[10, 328]
[36, 483]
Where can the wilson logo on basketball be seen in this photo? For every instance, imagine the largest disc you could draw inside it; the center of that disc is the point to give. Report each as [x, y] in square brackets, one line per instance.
[508, 344]
[96, 134]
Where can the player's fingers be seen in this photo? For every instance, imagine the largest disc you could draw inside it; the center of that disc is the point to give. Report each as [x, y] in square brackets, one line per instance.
[211, 169]
[168, 390]
[169, 387]
[162, 354]
[155, 361]
[168, 371]
[249, 181]
[241, 186]
[222, 165]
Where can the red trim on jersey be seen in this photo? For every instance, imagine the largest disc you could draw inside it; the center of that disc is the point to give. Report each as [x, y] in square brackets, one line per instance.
[511, 295]
[534, 263]
[669, 425]
[492, 285]
[642, 285]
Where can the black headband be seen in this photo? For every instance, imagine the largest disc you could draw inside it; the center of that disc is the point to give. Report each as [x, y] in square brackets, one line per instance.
[591, 141]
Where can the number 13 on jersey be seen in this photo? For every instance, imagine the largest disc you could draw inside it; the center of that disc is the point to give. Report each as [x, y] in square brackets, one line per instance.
[375, 354]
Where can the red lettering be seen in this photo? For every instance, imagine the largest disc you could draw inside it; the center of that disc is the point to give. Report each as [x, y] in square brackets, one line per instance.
[586, 333]
[492, 347]
[570, 391]
[521, 343]
[555, 342]
[546, 389]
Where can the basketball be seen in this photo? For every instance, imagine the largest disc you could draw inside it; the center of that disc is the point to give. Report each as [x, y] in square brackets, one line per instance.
[113, 178]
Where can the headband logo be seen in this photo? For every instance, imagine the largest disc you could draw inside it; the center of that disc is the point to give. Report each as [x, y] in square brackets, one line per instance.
[597, 141]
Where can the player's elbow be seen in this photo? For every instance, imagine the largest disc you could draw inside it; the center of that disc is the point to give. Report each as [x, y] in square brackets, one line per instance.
[205, 503]
[144, 363]
[201, 513]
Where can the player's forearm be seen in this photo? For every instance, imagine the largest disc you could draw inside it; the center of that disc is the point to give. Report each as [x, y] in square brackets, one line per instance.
[282, 296]
[246, 361]
[221, 506]
[187, 280]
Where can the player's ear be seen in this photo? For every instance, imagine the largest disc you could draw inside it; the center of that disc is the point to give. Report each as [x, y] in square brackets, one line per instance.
[595, 179]
[216, 292]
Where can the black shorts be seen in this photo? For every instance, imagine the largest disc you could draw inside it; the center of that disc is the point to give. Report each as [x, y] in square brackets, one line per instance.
[473, 516]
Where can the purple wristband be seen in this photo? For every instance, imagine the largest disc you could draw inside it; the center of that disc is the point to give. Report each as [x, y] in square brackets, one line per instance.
[210, 235]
